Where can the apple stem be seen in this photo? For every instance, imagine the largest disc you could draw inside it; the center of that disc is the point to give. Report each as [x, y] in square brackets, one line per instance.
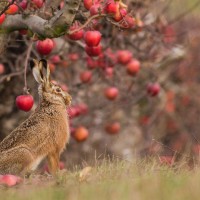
[26, 90]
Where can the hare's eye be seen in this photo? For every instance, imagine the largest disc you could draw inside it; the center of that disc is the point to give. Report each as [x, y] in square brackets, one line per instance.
[58, 90]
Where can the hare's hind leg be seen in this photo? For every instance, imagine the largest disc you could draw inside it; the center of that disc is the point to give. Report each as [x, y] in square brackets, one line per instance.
[15, 161]
[53, 162]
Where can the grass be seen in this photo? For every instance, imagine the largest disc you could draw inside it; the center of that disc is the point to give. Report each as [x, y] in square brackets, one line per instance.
[113, 181]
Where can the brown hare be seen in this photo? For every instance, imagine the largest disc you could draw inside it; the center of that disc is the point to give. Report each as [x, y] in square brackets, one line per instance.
[44, 134]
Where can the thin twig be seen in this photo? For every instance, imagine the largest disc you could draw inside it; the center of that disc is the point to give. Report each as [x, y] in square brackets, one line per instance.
[26, 66]
[86, 23]
[7, 77]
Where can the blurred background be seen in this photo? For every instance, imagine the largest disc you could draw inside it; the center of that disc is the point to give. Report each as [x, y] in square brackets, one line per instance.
[119, 109]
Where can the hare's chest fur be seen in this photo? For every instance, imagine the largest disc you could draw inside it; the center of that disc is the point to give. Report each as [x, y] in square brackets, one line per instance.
[61, 131]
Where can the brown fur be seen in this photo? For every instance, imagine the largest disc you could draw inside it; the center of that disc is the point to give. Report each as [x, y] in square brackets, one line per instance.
[44, 134]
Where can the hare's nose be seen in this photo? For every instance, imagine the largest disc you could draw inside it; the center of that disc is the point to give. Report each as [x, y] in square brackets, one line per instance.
[68, 98]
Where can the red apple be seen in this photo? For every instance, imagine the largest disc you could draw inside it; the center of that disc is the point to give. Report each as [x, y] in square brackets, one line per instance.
[76, 35]
[45, 47]
[111, 93]
[92, 38]
[86, 76]
[55, 59]
[83, 108]
[64, 87]
[109, 72]
[133, 67]
[153, 89]
[93, 51]
[23, 4]
[73, 112]
[24, 102]
[38, 3]
[2, 18]
[64, 63]
[96, 9]
[9, 180]
[113, 128]
[111, 7]
[2, 69]
[124, 56]
[81, 134]
[129, 21]
[62, 4]
[13, 9]
[73, 56]
[88, 3]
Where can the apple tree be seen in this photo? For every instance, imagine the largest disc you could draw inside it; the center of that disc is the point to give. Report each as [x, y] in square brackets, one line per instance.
[113, 57]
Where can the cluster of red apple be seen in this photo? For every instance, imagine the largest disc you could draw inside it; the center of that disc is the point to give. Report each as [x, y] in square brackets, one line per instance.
[57, 60]
[91, 38]
[106, 60]
[124, 57]
[13, 8]
[77, 110]
[117, 10]
[80, 133]
[35, 4]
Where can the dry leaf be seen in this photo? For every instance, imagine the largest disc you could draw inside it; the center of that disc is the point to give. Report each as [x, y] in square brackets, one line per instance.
[84, 173]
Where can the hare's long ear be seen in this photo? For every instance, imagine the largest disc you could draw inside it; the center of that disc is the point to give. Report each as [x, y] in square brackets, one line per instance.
[34, 64]
[44, 67]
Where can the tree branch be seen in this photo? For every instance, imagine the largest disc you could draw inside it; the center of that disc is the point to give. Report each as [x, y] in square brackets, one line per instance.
[26, 66]
[52, 5]
[55, 27]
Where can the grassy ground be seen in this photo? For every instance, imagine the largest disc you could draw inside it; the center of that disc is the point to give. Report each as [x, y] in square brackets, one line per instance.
[113, 181]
